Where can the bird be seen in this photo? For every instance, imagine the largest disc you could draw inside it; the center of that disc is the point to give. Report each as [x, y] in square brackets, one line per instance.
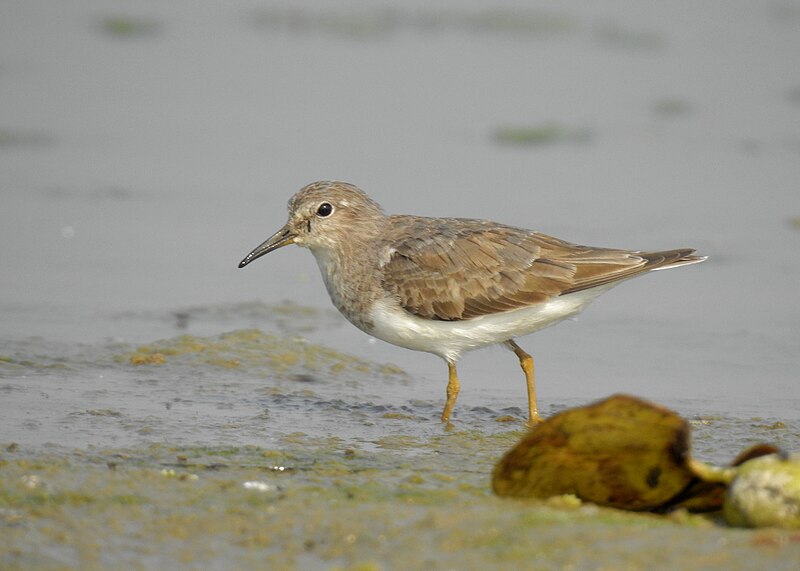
[450, 285]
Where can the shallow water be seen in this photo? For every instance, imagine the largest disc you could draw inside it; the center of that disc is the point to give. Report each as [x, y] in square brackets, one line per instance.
[252, 448]
[249, 387]
[140, 161]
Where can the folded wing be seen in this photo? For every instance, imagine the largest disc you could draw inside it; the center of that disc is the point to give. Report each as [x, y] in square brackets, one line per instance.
[452, 269]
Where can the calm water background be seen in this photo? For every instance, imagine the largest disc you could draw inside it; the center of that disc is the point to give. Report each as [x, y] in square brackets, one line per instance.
[146, 147]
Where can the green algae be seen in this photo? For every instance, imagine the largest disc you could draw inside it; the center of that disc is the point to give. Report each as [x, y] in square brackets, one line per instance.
[41, 363]
[128, 27]
[540, 135]
[672, 107]
[393, 489]
[379, 23]
[254, 350]
[309, 503]
[13, 138]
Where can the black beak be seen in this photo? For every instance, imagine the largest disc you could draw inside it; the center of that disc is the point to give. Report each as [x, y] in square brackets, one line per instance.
[281, 238]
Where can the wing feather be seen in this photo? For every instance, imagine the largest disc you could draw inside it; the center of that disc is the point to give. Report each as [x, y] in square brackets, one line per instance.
[452, 269]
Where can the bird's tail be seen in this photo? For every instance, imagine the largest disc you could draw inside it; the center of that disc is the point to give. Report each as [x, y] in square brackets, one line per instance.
[670, 259]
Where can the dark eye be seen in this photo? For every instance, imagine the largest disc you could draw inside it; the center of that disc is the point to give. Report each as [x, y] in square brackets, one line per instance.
[325, 209]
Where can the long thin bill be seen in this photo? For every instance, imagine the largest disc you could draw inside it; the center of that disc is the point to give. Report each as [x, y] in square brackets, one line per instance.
[281, 238]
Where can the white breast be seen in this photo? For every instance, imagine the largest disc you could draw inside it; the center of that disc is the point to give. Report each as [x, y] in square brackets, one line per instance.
[449, 339]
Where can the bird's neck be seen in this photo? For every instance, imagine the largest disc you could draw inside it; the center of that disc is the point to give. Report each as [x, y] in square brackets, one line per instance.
[349, 275]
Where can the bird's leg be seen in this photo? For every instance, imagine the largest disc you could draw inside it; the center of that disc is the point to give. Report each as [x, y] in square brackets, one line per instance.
[453, 386]
[526, 362]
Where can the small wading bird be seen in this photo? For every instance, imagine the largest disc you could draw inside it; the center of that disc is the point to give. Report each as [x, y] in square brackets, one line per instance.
[450, 285]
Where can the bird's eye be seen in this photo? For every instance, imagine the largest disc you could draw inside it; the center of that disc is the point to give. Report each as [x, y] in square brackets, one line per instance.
[324, 210]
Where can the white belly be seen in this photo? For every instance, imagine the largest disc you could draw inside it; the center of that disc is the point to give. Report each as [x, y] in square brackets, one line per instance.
[449, 339]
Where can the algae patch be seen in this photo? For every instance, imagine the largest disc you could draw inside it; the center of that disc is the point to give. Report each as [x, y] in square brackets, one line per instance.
[540, 135]
[308, 503]
[128, 27]
[378, 23]
[252, 349]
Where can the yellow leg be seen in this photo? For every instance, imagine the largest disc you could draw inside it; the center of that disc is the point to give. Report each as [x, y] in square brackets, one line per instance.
[453, 386]
[526, 362]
